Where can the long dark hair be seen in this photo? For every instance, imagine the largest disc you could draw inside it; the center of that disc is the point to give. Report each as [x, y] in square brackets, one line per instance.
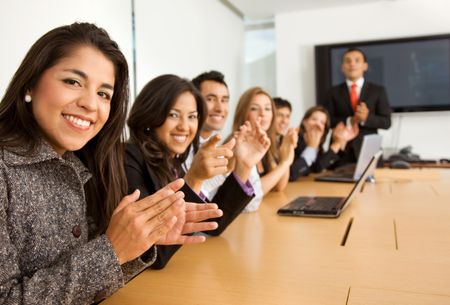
[150, 110]
[102, 155]
[308, 114]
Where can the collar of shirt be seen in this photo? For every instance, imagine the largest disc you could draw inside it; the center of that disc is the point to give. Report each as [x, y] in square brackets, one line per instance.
[359, 84]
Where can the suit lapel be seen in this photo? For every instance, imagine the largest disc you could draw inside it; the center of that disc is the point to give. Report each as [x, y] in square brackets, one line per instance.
[363, 94]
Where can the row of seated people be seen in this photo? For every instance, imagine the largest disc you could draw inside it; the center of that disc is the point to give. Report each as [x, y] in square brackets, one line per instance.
[82, 211]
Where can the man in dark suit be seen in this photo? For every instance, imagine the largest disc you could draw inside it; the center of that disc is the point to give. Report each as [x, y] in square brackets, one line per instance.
[357, 102]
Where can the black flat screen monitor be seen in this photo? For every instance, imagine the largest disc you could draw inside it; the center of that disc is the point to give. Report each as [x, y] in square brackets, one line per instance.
[414, 71]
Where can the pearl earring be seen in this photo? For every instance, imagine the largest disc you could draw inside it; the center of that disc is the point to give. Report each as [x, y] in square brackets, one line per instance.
[27, 98]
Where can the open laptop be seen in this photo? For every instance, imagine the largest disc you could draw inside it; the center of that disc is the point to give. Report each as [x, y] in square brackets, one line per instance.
[371, 144]
[327, 206]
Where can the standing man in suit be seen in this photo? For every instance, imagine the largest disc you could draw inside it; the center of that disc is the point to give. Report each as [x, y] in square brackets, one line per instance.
[357, 102]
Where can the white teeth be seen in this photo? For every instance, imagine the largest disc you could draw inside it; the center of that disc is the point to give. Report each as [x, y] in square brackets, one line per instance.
[77, 121]
[180, 139]
[216, 117]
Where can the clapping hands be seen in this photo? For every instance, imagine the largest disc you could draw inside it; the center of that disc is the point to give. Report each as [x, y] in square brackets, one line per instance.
[342, 135]
[313, 135]
[136, 225]
[252, 144]
[361, 113]
[190, 221]
[288, 145]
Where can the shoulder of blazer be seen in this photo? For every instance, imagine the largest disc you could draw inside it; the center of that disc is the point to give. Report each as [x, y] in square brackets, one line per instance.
[372, 87]
[342, 90]
[343, 85]
[301, 145]
[339, 89]
[132, 151]
[336, 93]
[134, 155]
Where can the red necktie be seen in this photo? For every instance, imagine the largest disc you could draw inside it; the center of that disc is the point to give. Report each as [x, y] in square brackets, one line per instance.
[353, 96]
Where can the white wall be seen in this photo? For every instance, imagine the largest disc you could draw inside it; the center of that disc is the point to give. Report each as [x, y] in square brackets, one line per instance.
[187, 38]
[298, 32]
[260, 55]
[184, 37]
[22, 22]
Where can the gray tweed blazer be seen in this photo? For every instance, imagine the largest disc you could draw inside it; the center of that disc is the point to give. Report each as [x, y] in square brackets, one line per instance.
[46, 256]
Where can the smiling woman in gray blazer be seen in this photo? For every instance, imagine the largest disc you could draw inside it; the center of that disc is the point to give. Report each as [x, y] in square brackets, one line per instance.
[68, 233]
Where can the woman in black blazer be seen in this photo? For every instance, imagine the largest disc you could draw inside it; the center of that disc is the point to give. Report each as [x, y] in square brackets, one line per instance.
[165, 121]
[313, 131]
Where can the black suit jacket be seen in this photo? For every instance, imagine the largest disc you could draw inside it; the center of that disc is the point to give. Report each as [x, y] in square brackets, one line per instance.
[337, 102]
[230, 197]
[300, 168]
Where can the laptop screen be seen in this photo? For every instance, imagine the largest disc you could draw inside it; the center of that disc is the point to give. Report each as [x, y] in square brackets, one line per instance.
[370, 168]
[370, 146]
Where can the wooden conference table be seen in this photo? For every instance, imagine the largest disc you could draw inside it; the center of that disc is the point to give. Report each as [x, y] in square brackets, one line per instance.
[397, 251]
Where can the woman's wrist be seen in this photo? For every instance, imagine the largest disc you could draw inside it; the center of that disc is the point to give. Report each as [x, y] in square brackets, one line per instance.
[284, 163]
[335, 147]
[194, 183]
[242, 171]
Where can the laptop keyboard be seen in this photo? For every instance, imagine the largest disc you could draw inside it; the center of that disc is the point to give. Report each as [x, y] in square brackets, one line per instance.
[318, 204]
[324, 204]
[347, 169]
